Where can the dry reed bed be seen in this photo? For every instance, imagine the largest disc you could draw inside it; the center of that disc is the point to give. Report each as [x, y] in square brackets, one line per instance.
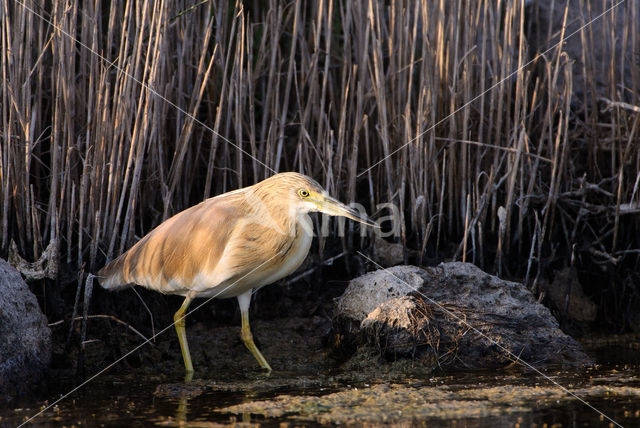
[93, 155]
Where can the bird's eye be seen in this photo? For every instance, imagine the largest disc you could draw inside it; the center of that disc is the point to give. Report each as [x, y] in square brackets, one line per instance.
[303, 193]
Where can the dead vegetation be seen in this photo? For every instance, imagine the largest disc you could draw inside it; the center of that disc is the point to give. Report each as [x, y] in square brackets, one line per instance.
[117, 115]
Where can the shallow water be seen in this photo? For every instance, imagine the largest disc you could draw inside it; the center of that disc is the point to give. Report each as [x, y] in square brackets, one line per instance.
[510, 397]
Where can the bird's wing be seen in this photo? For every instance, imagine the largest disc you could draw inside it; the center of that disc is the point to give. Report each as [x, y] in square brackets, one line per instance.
[256, 252]
[171, 257]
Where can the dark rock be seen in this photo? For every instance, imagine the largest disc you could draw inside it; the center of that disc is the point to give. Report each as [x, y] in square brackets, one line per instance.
[567, 297]
[387, 253]
[25, 338]
[454, 315]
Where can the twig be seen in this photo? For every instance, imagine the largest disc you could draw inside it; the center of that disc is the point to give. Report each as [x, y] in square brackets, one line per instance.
[612, 104]
[326, 262]
[110, 317]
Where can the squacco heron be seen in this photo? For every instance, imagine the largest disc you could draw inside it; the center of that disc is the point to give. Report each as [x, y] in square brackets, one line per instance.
[228, 246]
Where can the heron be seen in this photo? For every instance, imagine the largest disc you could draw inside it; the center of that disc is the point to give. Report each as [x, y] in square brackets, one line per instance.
[228, 246]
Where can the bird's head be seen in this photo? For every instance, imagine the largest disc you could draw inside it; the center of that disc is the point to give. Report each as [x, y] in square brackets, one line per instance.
[305, 195]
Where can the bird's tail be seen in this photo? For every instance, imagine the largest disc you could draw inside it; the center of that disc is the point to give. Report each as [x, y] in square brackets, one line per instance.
[112, 276]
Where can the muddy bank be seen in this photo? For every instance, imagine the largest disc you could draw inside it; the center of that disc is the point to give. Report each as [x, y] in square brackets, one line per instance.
[294, 343]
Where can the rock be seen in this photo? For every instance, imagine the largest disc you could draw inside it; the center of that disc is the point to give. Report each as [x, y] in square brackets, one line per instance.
[387, 253]
[454, 315]
[25, 338]
[366, 292]
[567, 296]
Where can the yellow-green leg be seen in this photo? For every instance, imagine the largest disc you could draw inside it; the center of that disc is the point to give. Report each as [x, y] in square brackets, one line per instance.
[244, 300]
[178, 318]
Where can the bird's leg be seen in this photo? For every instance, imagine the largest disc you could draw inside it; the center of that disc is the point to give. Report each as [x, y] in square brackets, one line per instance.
[180, 323]
[244, 300]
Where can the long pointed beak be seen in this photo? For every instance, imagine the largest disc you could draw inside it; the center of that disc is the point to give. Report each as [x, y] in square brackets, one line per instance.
[328, 205]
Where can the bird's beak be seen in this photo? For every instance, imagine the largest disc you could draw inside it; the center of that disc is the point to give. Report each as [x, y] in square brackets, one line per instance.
[330, 206]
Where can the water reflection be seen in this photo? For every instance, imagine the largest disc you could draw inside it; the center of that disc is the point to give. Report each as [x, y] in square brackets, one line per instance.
[182, 410]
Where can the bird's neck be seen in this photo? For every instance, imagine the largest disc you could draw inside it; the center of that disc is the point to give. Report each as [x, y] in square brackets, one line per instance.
[278, 217]
[304, 224]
